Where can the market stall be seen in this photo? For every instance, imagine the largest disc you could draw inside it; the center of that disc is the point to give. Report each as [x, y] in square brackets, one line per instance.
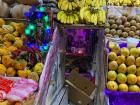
[65, 52]
[26, 49]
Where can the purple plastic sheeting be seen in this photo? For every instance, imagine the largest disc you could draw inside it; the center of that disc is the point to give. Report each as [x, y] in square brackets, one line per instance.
[123, 45]
[123, 98]
[138, 45]
[107, 46]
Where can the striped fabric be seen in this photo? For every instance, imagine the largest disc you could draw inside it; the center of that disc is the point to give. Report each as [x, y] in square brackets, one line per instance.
[22, 89]
[6, 84]
[46, 74]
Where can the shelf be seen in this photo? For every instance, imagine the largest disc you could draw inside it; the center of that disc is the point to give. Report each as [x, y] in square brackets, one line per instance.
[84, 26]
[78, 55]
[14, 19]
[9, 20]
[82, 74]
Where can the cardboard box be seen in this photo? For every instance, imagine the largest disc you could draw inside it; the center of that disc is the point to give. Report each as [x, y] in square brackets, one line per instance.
[80, 89]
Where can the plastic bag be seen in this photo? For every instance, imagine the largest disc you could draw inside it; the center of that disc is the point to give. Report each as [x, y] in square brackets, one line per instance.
[22, 89]
[6, 84]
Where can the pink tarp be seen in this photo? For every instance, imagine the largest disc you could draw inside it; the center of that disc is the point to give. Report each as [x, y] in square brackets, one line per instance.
[46, 74]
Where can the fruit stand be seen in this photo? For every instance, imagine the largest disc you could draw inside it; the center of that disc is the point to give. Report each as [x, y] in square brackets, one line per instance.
[121, 54]
[65, 52]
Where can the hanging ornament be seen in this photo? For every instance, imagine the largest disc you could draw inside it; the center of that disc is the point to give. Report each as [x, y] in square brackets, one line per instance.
[32, 27]
[46, 18]
[39, 15]
[27, 31]
[38, 28]
[42, 9]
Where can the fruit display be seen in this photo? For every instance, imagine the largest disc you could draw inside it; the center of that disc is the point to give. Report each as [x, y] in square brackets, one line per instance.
[81, 11]
[123, 69]
[69, 18]
[11, 8]
[93, 16]
[124, 26]
[5, 9]
[124, 2]
[19, 10]
[15, 60]
[69, 5]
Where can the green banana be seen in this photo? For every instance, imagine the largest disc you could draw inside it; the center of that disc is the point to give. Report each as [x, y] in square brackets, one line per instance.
[59, 15]
[92, 18]
[103, 16]
[68, 19]
[74, 5]
[59, 4]
[103, 3]
[82, 12]
[65, 6]
[100, 19]
[63, 18]
[87, 16]
[88, 2]
[96, 18]
[76, 18]
[71, 19]
[70, 6]
[96, 4]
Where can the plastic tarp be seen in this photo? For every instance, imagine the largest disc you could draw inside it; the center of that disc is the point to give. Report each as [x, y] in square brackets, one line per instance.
[46, 73]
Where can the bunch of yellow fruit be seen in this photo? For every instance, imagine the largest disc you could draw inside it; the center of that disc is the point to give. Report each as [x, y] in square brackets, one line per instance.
[124, 2]
[81, 11]
[123, 69]
[12, 39]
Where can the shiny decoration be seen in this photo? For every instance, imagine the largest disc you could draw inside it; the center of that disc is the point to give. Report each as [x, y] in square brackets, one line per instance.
[38, 27]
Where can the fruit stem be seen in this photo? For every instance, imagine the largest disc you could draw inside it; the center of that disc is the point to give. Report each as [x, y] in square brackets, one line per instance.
[93, 10]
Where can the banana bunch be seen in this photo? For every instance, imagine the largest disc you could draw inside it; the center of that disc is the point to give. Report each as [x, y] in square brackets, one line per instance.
[68, 18]
[98, 3]
[136, 2]
[81, 3]
[94, 3]
[114, 2]
[38, 68]
[67, 5]
[124, 2]
[90, 16]
[101, 17]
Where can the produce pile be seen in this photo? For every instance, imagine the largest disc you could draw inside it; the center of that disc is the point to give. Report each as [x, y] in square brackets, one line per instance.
[123, 69]
[124, 2]
[16, 59]
[11, 8]
[81, 11]
[124, 26]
